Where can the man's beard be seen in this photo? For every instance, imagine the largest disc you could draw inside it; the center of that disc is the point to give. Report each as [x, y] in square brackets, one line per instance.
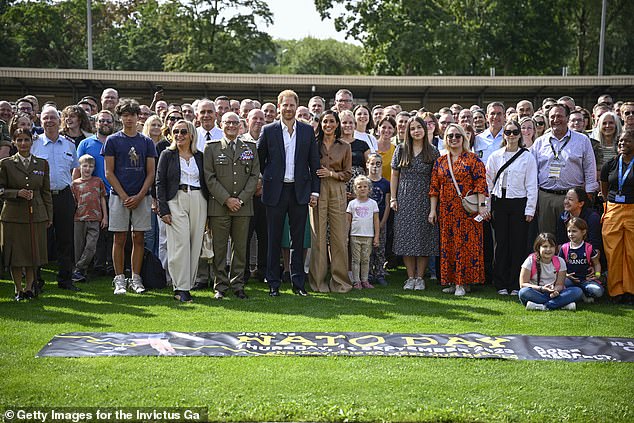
[104, 131]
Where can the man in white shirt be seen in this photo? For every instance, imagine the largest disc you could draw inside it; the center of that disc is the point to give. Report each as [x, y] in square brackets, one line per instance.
[491, 139]
[207, 131]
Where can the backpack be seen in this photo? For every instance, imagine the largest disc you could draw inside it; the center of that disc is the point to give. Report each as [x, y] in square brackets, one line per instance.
[556, 263]
[152, 271]
[566, 248]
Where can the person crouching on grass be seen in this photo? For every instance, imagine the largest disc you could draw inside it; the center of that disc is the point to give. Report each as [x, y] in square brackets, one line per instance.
[363, 219]
[91, 214]
[542, 278]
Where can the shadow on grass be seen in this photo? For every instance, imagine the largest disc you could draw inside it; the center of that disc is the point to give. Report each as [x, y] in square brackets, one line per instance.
[87, 307]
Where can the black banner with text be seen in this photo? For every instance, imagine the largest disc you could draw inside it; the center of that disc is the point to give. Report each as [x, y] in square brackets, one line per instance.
[469, 345]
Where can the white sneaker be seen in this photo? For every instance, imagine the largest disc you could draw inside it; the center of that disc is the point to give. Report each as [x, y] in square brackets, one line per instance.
[503, 292]
[459, 291]
[120, 285]
[571, 307]
[433, 278]
[449, 290]
[534, 306]
[587, 299]
[137, 285]
[419, 284]
[409, 284]
[515, 292]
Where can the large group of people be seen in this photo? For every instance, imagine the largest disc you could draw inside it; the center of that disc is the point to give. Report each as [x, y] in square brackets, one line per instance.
[536, 201]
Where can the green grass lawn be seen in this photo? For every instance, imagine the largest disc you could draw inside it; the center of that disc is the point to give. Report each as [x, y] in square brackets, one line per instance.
[314, 388]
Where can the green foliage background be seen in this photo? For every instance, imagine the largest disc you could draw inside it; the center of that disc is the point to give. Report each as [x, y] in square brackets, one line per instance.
[397, 37]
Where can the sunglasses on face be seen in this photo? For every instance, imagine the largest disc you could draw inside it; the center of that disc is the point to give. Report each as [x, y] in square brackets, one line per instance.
[508, 132]
[180, 131]
[628, 113]
[452, 136]
[174, 118]
[539, 123]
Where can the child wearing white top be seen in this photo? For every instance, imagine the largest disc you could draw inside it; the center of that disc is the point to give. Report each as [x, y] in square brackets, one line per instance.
[542, 278]
[363, 218]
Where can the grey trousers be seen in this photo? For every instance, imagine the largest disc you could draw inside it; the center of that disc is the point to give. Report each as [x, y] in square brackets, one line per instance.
[86, 237]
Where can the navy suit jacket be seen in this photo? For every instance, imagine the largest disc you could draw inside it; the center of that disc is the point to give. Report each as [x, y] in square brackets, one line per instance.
[273, 163]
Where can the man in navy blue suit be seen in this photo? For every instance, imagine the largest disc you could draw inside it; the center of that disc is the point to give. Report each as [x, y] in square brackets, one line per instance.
[289, 158]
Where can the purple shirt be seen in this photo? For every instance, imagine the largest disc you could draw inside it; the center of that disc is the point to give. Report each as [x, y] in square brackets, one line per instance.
[576, 158]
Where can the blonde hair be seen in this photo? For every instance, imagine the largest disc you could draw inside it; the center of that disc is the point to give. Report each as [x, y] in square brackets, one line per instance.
[87, 158]
[148, 124]
[193, 136]
[465, 141]
[360, 179]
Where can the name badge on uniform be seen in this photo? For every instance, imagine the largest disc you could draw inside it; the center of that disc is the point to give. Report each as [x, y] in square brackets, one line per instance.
[554, 171]
[222, 159]
[619, 198]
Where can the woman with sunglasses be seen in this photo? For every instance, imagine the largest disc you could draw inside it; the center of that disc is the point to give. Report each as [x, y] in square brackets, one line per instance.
[27, 211]
[461, 233]
[541, 124]
[512, 181]
[182, 197]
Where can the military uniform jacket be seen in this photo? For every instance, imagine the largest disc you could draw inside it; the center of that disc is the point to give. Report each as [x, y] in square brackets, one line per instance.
[14, 177]
[231, 174]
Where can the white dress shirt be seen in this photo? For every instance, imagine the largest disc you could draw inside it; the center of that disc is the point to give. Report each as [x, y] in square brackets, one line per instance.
[519, 179]
[289, 148]
[215, 134]
[189, 172]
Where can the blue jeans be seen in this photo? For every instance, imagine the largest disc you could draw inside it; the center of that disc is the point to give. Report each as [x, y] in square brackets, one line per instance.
[567, 296]
[590, 288]
[151, 237]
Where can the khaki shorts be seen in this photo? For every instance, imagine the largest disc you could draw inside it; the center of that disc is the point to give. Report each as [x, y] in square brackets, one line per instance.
[122, 217]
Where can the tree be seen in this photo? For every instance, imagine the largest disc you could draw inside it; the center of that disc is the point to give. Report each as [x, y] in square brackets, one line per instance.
[314, 56]
[467, 37]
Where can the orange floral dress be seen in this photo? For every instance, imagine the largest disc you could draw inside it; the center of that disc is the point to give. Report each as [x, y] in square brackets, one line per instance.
[461, 237]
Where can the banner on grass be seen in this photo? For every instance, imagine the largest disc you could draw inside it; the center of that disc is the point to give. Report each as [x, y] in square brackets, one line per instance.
[469, 345]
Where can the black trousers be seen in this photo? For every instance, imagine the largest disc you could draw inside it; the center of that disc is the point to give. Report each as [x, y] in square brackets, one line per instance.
[297, 215]
[257, 225]
[60, 234]
[511, 234]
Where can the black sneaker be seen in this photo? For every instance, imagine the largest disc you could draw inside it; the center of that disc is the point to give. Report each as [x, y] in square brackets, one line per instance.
[78, 277]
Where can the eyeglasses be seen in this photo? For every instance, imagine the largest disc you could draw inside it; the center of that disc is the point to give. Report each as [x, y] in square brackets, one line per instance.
[508, 132]
[180, 131]
[431, 122]
[452, 136]
[25, 109]
[231, 122]
[540, 123]
[174, 118]
[628, 113]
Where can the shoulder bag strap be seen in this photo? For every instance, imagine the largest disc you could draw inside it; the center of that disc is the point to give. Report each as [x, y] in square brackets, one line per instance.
[453, 178]
[507, 164]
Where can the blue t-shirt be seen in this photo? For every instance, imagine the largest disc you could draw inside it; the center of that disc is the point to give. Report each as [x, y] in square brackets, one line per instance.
[577, 261]
[130, 156]
[93, 146]
[379, 189]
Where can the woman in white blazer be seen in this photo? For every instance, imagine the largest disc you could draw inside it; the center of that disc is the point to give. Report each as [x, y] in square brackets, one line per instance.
[512, 183]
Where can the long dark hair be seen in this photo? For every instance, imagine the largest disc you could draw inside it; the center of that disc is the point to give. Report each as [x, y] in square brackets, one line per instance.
[320, 131]
[408, 147]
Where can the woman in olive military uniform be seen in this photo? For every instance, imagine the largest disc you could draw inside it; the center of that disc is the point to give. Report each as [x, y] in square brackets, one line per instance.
[27, 211]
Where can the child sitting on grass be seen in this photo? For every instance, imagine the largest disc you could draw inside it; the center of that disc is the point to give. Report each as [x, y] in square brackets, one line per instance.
[582, 261]
[91, 214]
[363, 219]
[542, 278]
